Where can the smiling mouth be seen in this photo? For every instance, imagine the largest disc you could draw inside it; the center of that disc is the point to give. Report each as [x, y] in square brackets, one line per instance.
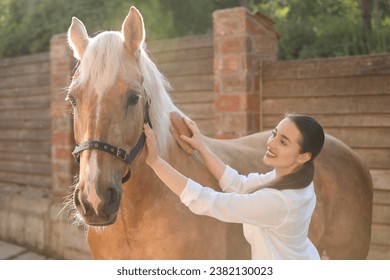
[270, 154]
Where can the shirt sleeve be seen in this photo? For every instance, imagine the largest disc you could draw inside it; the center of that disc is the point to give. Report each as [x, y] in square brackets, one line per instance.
[266, 208]
[231, 181]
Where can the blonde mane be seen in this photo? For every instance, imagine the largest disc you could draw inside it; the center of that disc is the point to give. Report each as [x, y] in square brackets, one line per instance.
[156, 88]
[105, 58]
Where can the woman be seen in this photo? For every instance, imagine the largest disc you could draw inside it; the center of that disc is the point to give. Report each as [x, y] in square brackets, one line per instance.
[275, 208]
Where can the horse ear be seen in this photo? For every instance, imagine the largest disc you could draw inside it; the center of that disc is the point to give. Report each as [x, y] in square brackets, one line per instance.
[133, 30]
[77, 38]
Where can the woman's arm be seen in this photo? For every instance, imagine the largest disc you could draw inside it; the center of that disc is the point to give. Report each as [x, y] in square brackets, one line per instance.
[228, 178]
[215, 165]
[169, 175]
[232, 207]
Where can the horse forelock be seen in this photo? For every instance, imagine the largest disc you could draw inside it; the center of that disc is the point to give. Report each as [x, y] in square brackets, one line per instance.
[102, 61]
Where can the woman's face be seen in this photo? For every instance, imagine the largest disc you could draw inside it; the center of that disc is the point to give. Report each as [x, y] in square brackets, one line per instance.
[283, 149]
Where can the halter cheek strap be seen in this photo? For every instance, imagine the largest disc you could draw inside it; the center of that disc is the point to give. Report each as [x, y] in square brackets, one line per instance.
[119, 152]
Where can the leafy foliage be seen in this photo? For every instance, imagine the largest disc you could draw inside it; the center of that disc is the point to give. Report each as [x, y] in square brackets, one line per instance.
[28, 25]
[326, 28]
[310, 28]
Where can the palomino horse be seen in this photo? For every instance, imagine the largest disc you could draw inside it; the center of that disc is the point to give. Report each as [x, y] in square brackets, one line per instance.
[115, 89]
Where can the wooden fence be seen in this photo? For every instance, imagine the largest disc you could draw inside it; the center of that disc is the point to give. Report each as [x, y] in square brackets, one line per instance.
[25, 122]
[188, 64]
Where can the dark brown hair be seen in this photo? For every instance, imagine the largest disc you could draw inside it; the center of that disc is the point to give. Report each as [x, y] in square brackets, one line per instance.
[311, 142]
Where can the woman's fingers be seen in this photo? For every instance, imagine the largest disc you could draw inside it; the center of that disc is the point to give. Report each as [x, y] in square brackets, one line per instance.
[151, 144]
[186, 138]
[191, 125]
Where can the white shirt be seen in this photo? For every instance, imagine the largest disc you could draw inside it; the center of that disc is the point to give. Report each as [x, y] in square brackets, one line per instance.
[275, 223]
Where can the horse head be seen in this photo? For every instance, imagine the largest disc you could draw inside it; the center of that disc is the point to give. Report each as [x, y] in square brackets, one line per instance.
[110, 95]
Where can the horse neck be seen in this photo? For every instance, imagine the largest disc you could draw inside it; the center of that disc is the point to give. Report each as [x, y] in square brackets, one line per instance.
[145, 180]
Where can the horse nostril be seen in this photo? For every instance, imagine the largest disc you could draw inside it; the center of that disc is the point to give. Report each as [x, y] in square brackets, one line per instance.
[112, 195]
[112, 198]
[76, 198]
[82, 206]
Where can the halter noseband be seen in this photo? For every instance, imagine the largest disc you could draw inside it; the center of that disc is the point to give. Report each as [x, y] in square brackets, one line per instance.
[119, 152]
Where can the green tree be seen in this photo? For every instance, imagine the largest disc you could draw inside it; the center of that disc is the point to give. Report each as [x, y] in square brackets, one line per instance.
[309, 28]
[324, 28]
[26, 26]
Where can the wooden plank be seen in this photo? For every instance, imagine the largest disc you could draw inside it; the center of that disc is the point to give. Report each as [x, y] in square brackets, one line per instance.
[25, 69]
[179, 68]
[328, 67]
[192, 96]
[329, 105]
[25, 167]
[198, 111]
[347, 86]
[23, 146]
[368, 138]
[25, 81]
[364, 137]
[192, 83]
[380, 234]
[182, 55]
[25, 124]
[382, 197]
[26, 114]
[354, 120]
[25, 91]
[26, 135]
[381, 214]
[337, 120]
[381, 178]
[24, 59]
[379, 252]
[188, 42]
[29, 156]
[42, 101]
[26, 179]
[375, 158]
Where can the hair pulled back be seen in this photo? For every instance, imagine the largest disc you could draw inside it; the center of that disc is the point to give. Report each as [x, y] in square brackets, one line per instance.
[312, 140]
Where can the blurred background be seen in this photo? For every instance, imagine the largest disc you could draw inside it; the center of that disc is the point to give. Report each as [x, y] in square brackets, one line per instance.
[310, 28]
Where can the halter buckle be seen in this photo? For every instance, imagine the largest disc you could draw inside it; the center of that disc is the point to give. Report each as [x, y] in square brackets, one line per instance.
[121, 153]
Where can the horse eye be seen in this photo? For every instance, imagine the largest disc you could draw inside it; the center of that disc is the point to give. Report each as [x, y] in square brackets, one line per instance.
[133, 99]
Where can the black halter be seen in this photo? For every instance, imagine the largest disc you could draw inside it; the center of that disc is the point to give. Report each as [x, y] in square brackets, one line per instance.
[116, 151]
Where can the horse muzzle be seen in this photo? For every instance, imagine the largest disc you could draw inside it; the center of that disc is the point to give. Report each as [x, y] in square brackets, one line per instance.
[99, 209]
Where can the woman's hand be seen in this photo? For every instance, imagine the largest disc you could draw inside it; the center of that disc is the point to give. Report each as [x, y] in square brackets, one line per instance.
[213, 162]
[169, 175]
[196, 141]
[151, 144]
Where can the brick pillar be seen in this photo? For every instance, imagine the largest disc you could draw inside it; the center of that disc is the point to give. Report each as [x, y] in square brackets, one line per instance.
[62, 141]
[242, 40]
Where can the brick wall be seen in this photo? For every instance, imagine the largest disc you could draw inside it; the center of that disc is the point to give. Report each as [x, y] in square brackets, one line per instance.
[241, 42]
[62, 141]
